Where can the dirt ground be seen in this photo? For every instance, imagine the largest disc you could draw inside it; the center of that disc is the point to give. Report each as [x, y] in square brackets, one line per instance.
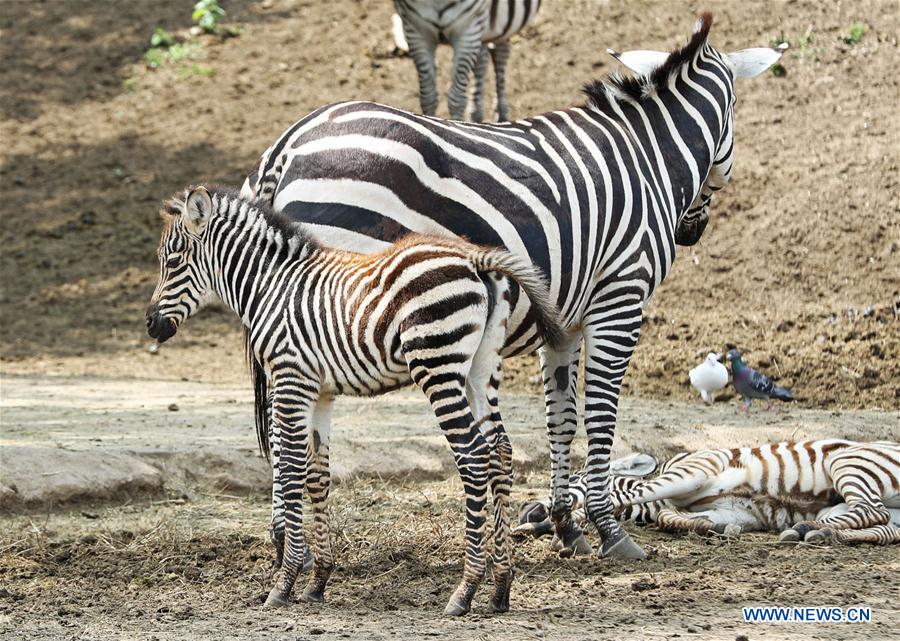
[799, 246]
[189, 558]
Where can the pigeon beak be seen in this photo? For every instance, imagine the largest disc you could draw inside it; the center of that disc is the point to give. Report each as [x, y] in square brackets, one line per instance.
[719, 357]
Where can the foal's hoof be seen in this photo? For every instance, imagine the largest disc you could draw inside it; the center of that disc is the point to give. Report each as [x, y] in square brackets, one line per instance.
[312, 597]
[456, 608]
[728, 530]
[276, 600]
[624, 548]
[580, 547]
[788, 537]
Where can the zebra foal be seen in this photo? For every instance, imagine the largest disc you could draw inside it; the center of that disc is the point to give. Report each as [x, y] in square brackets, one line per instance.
[468, 25]
[327, 322]
[809, 490]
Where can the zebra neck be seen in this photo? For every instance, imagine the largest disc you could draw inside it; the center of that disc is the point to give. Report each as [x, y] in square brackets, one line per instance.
[252, 263]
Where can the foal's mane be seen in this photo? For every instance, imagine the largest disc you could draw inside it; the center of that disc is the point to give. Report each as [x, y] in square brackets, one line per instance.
[602, 92]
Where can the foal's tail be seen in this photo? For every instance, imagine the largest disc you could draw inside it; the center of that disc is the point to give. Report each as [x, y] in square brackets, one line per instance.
[260, 397]
[531, 280]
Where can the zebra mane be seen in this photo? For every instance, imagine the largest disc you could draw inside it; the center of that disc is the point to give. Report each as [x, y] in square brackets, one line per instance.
[257, 209]
[603, 92]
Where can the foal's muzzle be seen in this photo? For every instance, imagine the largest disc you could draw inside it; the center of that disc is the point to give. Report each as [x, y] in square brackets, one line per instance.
[158, 326]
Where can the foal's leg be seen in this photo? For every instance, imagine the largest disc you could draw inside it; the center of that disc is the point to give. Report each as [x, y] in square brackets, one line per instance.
[480, 75]
[443, 380]
[422, 45]
[318, 485]
[482, 390]
[294, 397]
[466, 49]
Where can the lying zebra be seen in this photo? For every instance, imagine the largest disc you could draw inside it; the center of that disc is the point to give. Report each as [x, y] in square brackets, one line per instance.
[809, 490]
[325, 322]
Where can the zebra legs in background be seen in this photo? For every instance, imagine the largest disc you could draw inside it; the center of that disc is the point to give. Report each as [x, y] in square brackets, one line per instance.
[500, 56]
[466, 49]
[422, 46]
[480, 75]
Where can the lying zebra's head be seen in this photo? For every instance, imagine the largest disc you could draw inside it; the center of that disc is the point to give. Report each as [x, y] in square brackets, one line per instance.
[698, 82]
[185, 282]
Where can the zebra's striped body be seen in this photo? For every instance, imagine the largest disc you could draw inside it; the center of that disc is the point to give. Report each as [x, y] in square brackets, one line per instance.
[596, 196]
[470, 26]
[327, 322]
[805, 490]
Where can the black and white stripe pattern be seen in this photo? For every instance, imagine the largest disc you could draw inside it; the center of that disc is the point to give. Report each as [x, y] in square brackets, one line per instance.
[324, 322]
[808, 490]
[469, 26]
[597, 196]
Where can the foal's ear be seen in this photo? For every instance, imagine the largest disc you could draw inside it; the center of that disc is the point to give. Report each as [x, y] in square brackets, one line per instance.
[197, 209]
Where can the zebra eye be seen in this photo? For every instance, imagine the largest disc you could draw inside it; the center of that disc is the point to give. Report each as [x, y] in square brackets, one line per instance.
[174, 261]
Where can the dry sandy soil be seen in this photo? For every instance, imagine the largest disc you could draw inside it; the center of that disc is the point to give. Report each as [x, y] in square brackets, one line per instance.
[188, 558]
[803, 241]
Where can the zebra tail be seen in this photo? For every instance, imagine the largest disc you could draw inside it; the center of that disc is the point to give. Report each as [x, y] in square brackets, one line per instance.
[531, 280]
[260, 397]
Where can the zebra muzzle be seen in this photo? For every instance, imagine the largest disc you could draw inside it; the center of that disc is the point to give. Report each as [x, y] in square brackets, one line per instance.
[158, 326]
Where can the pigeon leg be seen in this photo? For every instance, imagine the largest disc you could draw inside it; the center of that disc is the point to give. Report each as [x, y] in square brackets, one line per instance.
[768, 404]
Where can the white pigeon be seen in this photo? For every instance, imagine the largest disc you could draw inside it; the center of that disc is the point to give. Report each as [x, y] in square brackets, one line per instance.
[709, 376]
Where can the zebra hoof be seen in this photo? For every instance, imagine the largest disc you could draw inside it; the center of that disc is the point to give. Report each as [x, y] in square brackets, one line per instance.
[624, 548]
[456, 608]
[500, 599]
[789, 537]
[732, 531]
[276, 600]
[818, 536]
[312, 597]
[556, 544]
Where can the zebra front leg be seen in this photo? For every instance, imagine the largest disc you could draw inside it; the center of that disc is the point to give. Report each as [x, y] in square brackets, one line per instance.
[560, 375]
[422, 50]
[478, 94]
[290, 420]
[318, 485]
[466, 47]
[879, 535]
[500, 56]
[865, 509]
[612, 326]
[672, 520]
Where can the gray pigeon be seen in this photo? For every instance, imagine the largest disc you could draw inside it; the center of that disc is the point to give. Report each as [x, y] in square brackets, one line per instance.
[752, 384]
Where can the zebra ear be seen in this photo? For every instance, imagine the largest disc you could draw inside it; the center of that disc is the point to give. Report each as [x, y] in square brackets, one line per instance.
[749, 63]
[636, 465]
[197, 209]
[640, 62]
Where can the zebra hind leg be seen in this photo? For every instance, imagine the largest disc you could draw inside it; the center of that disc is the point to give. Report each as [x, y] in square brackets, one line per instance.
[442, 378]
[466, 49]
[478, 94]
[878, 535]
[500, 56]
[482, 390]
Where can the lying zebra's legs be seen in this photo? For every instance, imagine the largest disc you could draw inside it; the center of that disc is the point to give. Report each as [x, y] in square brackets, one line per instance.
[672, 520]
[466, 47]
[612, 326]
[480, 74]
[422, 50]
[865, 507]
[318, 485]
[500, 56]
[290, 419]
[560, 374]
[878, 535]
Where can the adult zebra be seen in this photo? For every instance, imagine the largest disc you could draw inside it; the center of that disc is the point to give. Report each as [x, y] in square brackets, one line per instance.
[468, 25]
[597, 196]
